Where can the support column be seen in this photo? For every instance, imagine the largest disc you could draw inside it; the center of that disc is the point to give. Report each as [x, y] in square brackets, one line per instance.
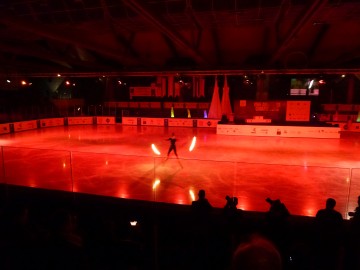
[262, 87]
[195, 86]
[202, 87]
[350, 90]
[109, 89]
[163, 86]
[170, 91]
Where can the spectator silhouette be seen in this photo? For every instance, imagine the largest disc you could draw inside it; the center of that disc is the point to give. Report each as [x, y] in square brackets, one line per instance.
[353, 239]
[277, 226]
[64, 244]
[18, 238]
[278, 213]
[232, 221]
[329, 237]
[232, 214]
[203, 244]
[355, 216]
[231, 203]
[258, 253]
[202, 204]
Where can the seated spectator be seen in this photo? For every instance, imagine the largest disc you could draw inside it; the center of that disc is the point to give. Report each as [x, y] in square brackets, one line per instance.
[277, 211]
[355, 216]
[203, 232]
[202, 204]
[18, 238]
[231, 203]
[329, 236]
[232, 221]
[277, 227]
[230, 210]
[329, 220]
[353, 239]
[258, 253]
[64, 244]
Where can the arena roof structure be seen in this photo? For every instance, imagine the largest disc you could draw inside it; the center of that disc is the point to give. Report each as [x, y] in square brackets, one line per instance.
[84, 37]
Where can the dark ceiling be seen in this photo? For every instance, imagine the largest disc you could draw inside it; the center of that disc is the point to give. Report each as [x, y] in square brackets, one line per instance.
[40, 37]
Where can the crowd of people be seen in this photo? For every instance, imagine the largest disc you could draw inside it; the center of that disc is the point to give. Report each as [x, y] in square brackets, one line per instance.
[334, 246]
[205, 237]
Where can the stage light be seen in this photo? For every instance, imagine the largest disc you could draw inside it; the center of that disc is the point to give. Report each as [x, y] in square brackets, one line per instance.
[205, 114]
[8, 81]
[192, 144]
[58, 75]
[155, 150]
[156, 183]
[192, 195]
[23, 82]
[133, 223]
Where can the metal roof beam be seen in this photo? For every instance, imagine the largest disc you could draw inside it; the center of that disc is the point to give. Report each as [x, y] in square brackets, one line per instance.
[69, 36]
[165, 29]
[308, 15]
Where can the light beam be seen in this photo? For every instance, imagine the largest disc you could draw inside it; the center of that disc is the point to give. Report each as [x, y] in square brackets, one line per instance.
[156, 183]
[192, 144]
[192, 195]
[155, 150]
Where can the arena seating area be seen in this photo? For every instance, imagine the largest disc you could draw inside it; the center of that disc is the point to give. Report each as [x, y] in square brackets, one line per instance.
[43, 229]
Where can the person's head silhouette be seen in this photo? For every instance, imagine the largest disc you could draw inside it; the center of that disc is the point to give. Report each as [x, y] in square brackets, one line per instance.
[201, 194]
[330, 203]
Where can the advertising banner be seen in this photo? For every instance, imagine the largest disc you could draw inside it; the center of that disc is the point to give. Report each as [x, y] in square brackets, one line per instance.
[80, 121]
[180, 122]
[4, 128]
[298, 111]
[130, 121]
[207, 123]
[103, 120]
[51, 122]
[279, 131]
[152, 122]
[25, 125]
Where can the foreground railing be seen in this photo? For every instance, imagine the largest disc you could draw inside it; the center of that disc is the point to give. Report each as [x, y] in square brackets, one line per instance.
[304, 189]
